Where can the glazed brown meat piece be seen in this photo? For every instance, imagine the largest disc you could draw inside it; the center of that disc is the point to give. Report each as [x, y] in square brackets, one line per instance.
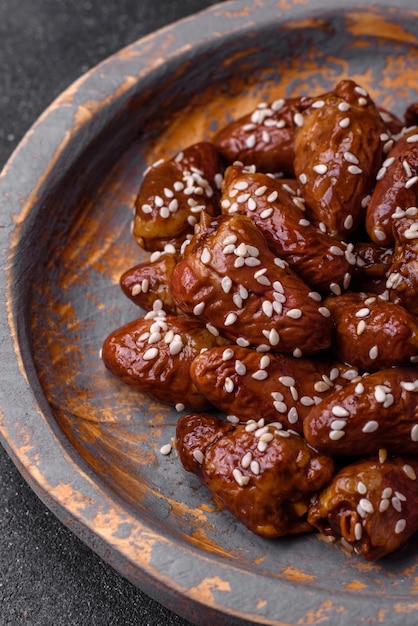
[396, 186]
[372, 507]
[154, 355]
[371, 333]
[150, 281]
[378, 412]
[320, 260]
[174, 193]
[244, 383]
[264, 476]
[411, 115]
[229, 278]
[265, 137]
[338, 152]
[402, 279]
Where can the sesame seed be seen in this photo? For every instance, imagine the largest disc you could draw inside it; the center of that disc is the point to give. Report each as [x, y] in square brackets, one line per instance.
[240, 368]
[229, 385]
[206, 256]
[243, 198]
[320, 169]
[324, 311]
[241, 185]
[410, 182]
[242, 342]
[150, 354]
[358, 531]
[363, 312]
[227, 354]
[230, 319]
[307, 401]
[166, 449]
[281, 407]
[361, 327]
[260, 190]
[267, 307]
[212, 329]
[255, 467]
[199, 308]
[287, 381]
[226, 284]
[251, 141]
[251, 426]
[318, 104]
[412, 139]
[354, 169]
[414, 432]
[266, 213]
[246, 460]
[400, 526]
[298, 119]
[303, 179]
[315, 296]
[335, 289]
[338, 424]
[361, 488]
[384, 505]
[252, 205]
[273, 196]
[198, 456]
[336, 251]
[335, 435]
[264, 361]
[348, 222]
[340, 411]
[321, 386]
[274, 336]
[343, 106]
[233, 419]
[136, 289]
[267, 437]
[373, 352]
[362, 102]
[294, 314]
[293, 416]
[260, 375]
[370, 427]
[409, 471]
[179, 406]
[366, 505]
[240, 478]
[344, 123]
[382, 455]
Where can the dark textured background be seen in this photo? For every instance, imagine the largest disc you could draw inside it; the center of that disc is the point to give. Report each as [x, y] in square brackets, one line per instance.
[47, 576]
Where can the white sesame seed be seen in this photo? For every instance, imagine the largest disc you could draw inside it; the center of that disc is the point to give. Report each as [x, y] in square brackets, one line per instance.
[344, 123]
[198, 456]
[307, 401]
[255, 467]
[199, 308]
[361, 488]
[240, 368]
[363, 312]
[240, 478]
[348, 222]
[293, 416]
[264, 361]
[242, 342]
[384, 505]
[324, 311]
[354, 169]
[212, 329]
[166, 449]
[336, 251]
[410, 182]
[321, 386]
[358, 531]
[335, 435]
[338, 424]
[366, 505]
[294, 314]
[414, 432]
[412, 139]
[260, 375]
[409, 471]
[230, 319]
[246, 460]
[227, 354]
[400, 526]
[274, 336]
[281, 407]
[374, 352]
[303, 179]
[340, 411]
[298, 119]
[343, 106]
[150, 354]
[267, 307]
[273, 196]
[387, 492]
[318, 104]
[321, 168]
[251, 141]
[287, 381]
[229, 385]
[370, 427]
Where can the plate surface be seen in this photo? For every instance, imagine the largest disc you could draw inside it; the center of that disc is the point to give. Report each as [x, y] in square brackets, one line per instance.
[88, 444]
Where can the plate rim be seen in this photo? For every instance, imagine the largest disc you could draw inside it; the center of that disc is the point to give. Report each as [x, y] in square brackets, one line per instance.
[16, 203]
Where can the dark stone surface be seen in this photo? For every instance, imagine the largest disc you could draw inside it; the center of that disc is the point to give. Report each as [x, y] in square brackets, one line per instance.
[48, 576]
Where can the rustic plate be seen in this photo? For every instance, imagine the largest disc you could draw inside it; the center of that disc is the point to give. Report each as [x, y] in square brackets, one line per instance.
[87, 444]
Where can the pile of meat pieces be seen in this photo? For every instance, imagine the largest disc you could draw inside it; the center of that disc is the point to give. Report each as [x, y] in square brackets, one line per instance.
[282, 291]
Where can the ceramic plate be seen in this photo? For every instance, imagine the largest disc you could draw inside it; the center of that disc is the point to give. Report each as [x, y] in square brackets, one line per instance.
[86, 443]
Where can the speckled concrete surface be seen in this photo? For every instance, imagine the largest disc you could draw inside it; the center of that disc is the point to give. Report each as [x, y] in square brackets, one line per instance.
[47, 576]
